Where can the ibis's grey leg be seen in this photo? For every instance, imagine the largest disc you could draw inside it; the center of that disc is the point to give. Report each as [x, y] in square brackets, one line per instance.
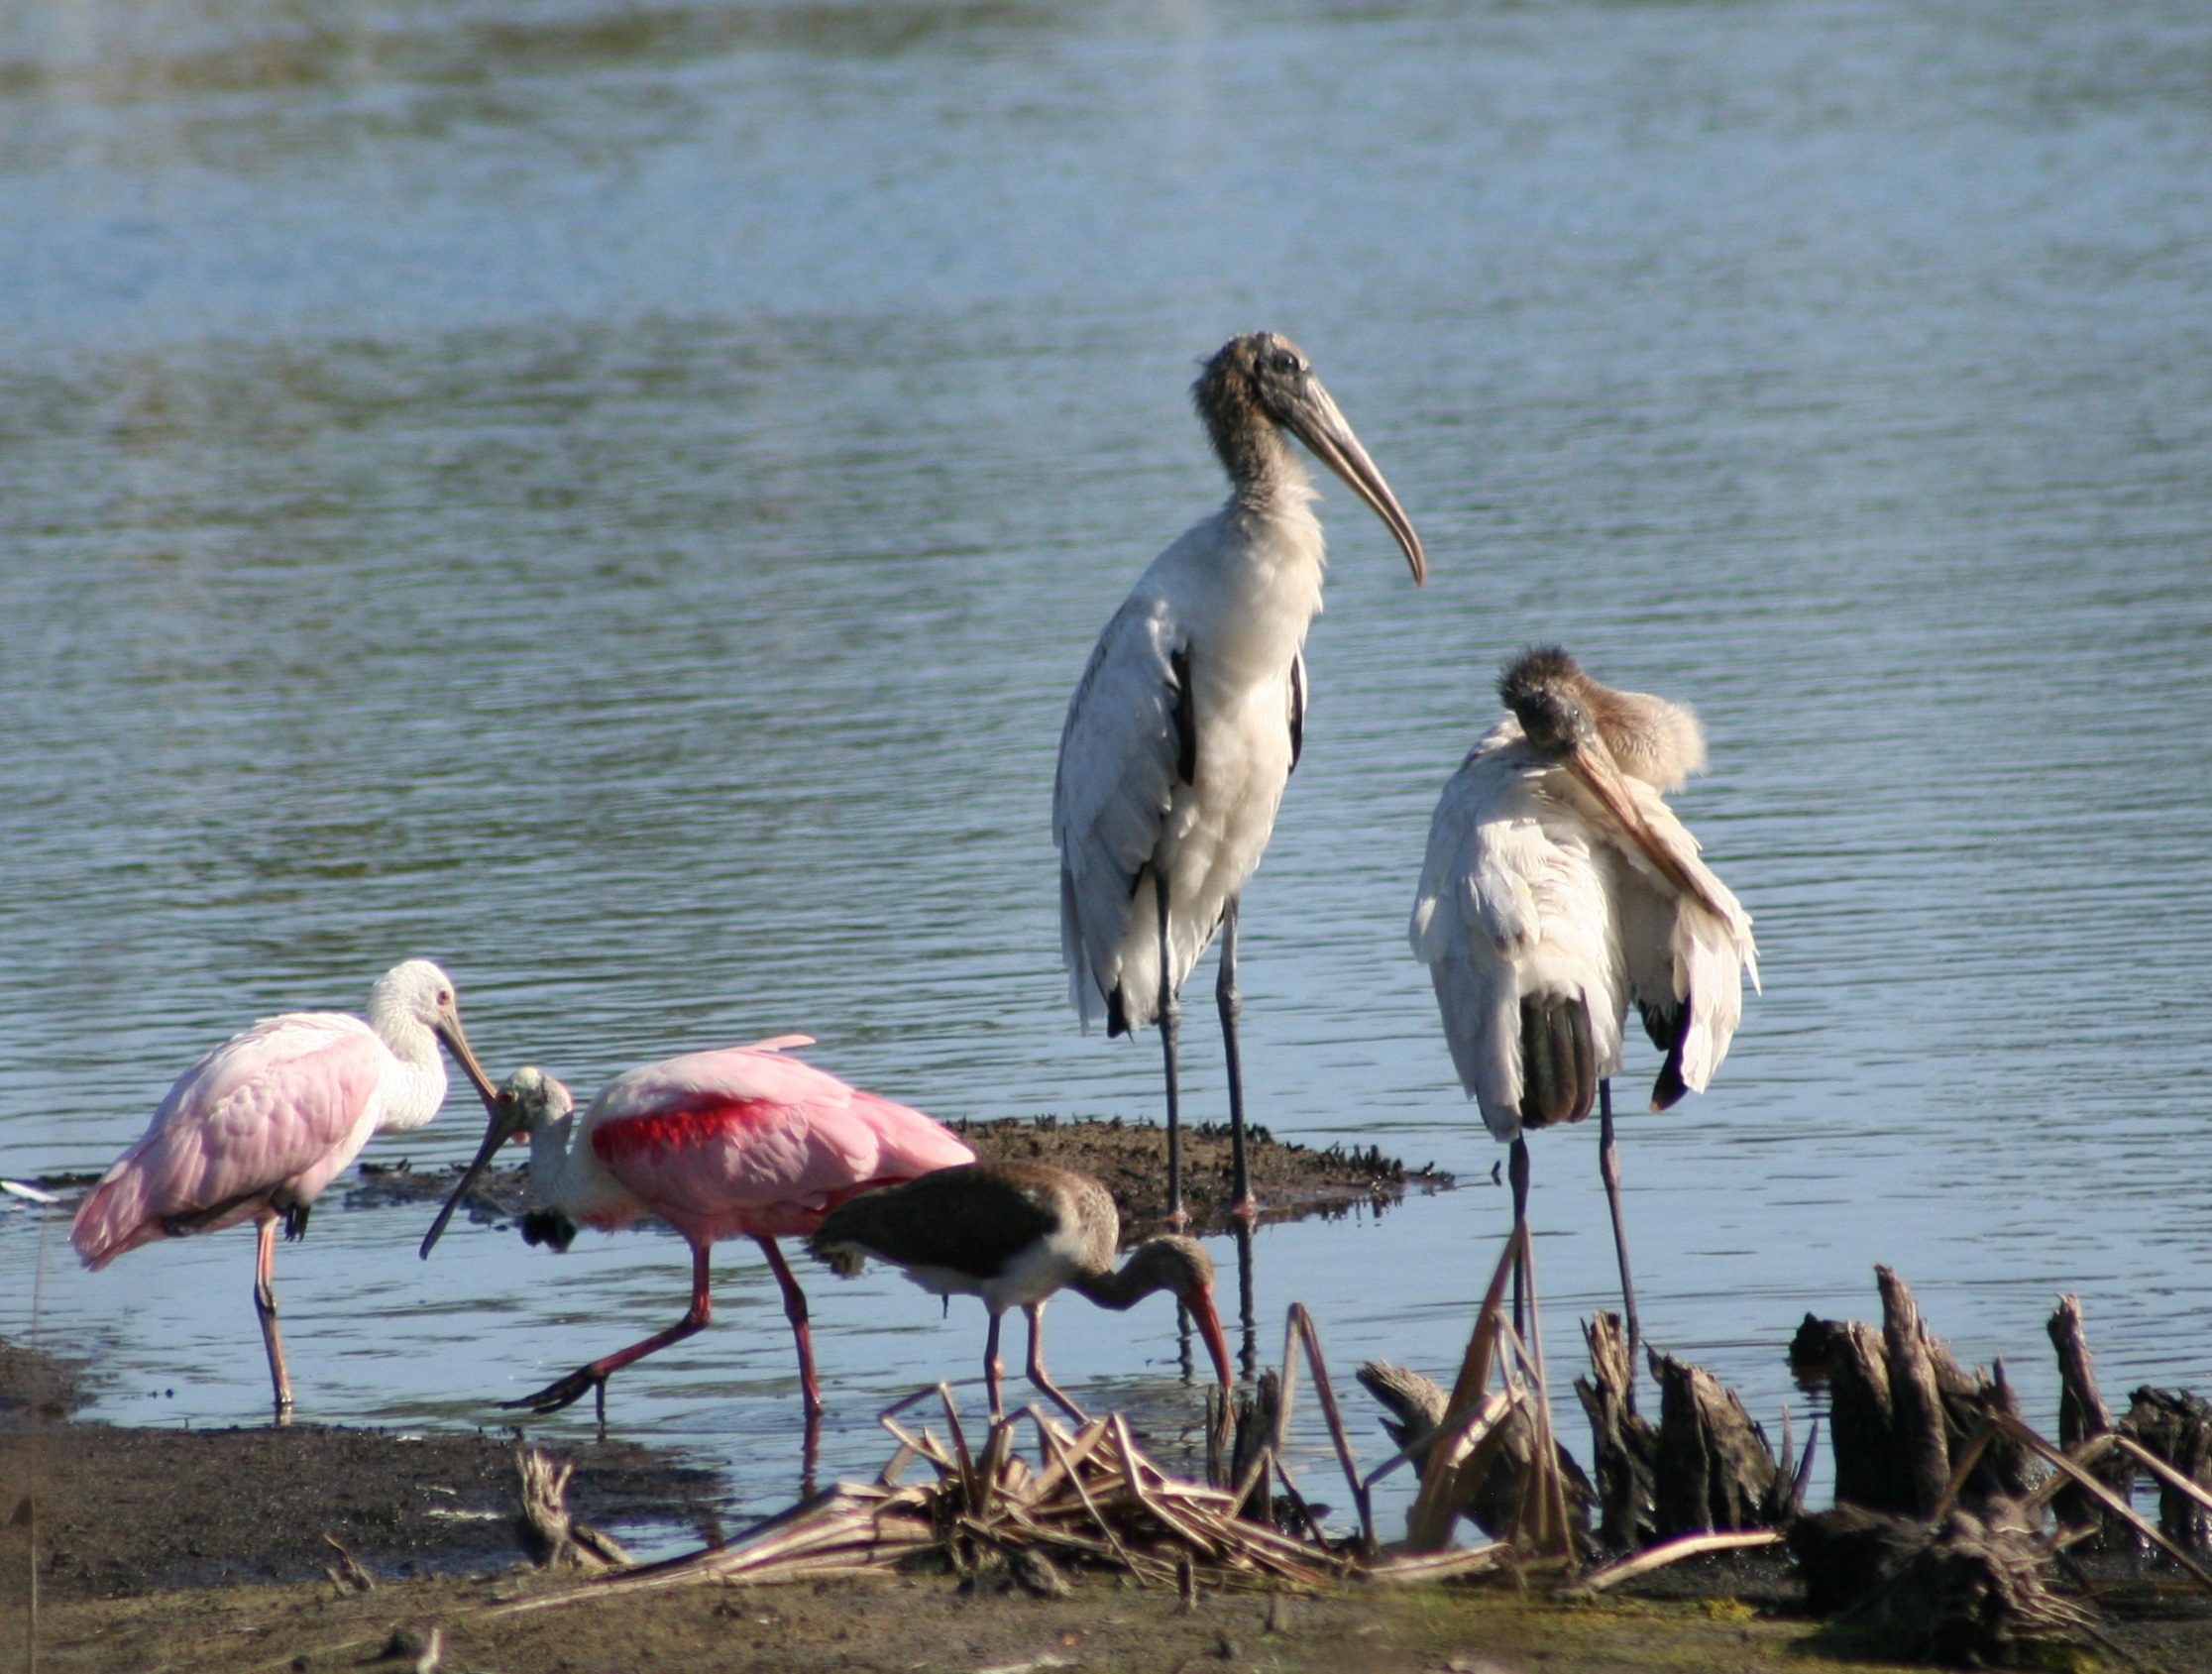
[1516, 1171]
[1608, 1169]
[1171, 1019]
[1232, 1005]
[993, 1367]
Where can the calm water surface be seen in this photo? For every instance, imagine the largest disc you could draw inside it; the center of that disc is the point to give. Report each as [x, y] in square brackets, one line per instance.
[615, 496]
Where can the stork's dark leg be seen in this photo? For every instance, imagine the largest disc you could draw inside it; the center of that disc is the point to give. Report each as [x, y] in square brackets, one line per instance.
[1247, 1324]
[1171, 1019]
[265, 1305]
[1231, 1006]
[795, 1310]
[1608, 1169]
[1516, 1171]
[564, 1391]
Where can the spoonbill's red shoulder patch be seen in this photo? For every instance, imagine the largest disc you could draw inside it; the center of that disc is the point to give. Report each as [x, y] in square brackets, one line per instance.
[630, 1138]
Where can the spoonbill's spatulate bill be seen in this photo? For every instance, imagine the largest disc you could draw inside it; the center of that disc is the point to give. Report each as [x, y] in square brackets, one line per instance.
[255, 1130]
[1187, 722]
[1559, 887]
[741, 1142]
[1013, 1233]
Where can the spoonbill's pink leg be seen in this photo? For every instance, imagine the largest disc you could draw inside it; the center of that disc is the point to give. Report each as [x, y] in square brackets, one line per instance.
[795, 1310]
[265, 1305]
[566, 1391]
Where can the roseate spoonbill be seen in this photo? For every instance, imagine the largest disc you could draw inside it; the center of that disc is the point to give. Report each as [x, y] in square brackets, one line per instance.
[1559, 887]
[1013, 1233]
[258, 1126]
[1187, 722]
[745, 1141]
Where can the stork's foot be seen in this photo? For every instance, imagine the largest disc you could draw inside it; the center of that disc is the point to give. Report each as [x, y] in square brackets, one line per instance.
[563, 1391]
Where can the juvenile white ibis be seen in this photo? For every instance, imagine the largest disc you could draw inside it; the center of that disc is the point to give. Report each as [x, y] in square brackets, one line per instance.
[256, 1129]
[1184, 728]
[1559, 887]
[1013, 1233]
[743, 1142]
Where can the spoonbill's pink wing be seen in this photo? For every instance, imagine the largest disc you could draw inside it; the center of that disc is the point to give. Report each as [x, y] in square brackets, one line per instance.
[286, 1104]
[745, 1141]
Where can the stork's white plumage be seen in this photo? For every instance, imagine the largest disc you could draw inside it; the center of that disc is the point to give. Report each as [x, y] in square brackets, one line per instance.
[1184, 728]
[1558, 889]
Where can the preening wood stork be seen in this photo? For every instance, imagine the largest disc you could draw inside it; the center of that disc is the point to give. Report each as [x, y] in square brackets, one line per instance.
[259, 1126]
[1187, 722]
[738, 1141]
[1013, 1234]
[1558, 888]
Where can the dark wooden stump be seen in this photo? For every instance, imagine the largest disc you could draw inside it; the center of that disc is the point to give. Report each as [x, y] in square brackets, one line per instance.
[1901, 1408]
[2082, 1414]
[1846, 1358]
[1626, 1446]
[1714, 1469]
[2178, 1427]
[1417, 1406]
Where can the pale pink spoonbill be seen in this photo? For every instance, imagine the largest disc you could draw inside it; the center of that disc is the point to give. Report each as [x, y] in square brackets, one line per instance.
[256, 1128]
[1558, 888]
[741, 1142]
[1182, 733]
[1013, 1233]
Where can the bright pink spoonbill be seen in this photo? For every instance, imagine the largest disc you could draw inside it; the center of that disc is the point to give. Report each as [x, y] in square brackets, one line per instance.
[743, 1142]
[256, 1128]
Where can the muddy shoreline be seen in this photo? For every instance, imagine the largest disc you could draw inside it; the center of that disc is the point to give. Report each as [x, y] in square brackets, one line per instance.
[131, 1509]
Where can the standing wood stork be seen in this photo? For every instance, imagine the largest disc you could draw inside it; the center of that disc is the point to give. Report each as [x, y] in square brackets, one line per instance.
[1558, 888]
[256, 1129]
[1187, 722]
[1013, 1233]
[741, 1142]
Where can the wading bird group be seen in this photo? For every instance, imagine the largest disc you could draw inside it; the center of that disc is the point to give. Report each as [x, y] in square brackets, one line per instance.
[1559, 890]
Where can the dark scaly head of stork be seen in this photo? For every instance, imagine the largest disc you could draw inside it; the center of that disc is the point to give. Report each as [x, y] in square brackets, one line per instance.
[1648, 738]
[1259, 385]
[1573, 720]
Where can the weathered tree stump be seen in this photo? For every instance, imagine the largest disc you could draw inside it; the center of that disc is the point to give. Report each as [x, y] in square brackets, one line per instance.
[549, 1535]
[1254, 1430]
[1847, 1553]
[1417, 1404]
[1626, 1446]
[1847, 1359]
[1714, 1469]
[2178, 1427]
[1969, 1590]
[2082, 1413]
[1916, 1404]
[1901, 1408]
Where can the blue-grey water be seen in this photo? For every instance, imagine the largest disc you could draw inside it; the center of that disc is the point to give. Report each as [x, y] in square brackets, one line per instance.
[614, 497]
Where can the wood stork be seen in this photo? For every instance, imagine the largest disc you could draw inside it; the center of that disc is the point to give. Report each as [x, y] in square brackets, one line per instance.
[1187, 722]
[1013, 1233]
[738, 1141]
[259, 1126]
[1558, 888]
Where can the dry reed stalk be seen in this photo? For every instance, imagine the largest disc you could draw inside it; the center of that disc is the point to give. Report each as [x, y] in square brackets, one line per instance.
[2098, 1491]
[1674, 1551]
